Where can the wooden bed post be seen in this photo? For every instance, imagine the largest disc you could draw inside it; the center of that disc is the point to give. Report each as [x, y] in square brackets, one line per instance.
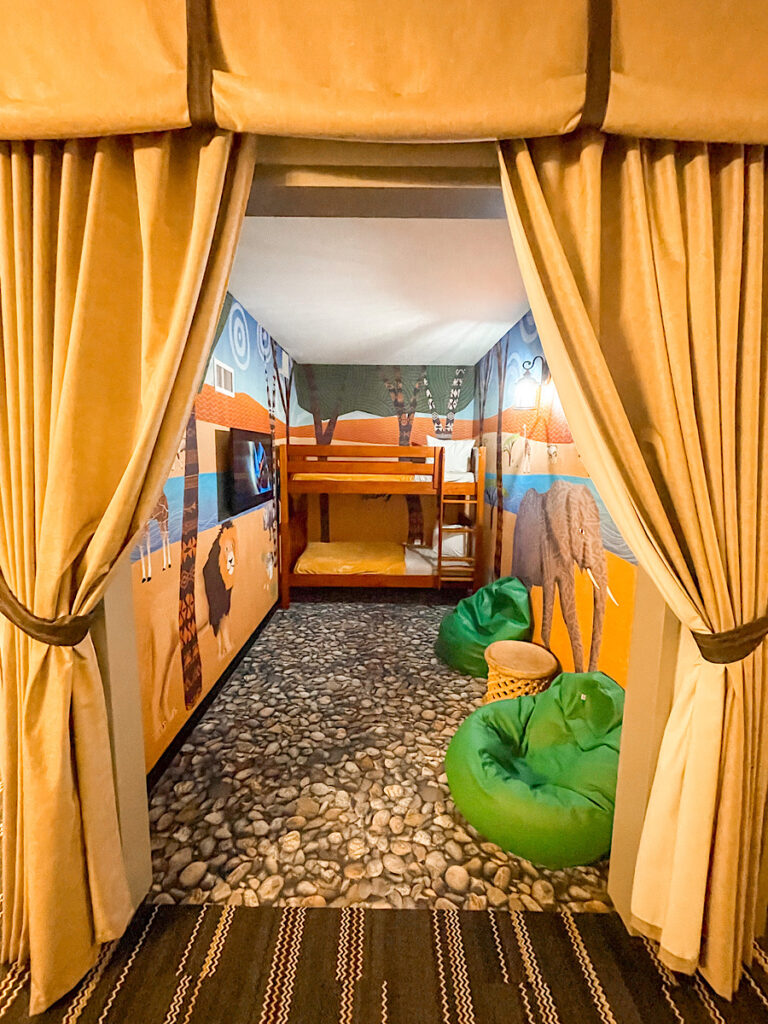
[285, 531]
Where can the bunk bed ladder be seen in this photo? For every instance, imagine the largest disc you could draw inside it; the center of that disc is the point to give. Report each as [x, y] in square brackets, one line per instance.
[455, 569]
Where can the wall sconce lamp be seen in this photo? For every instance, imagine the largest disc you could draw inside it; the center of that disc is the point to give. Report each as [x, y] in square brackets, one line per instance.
[527, 388]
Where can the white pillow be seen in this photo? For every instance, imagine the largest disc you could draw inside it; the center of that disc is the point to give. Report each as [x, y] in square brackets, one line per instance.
[457, 453]
[454, 544]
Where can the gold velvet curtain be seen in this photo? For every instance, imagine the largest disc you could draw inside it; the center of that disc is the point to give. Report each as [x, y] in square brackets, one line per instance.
[646, 267]
[385, 69]
[687, 70]
[84, 68]
[395, 70]
[114, 258]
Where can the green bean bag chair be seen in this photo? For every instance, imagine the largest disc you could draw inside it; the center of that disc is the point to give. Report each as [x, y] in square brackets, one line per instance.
[499, 611]
[537, 775]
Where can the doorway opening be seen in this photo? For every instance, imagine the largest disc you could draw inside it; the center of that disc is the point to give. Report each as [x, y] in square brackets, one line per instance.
[316, 776]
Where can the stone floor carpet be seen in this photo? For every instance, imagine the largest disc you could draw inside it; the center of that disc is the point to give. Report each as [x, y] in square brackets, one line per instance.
[316, 778]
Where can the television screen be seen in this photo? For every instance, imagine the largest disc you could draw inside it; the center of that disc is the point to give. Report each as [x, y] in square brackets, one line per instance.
[251, 460]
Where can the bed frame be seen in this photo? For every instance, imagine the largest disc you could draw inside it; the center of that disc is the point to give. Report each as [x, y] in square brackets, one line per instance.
[310, 469]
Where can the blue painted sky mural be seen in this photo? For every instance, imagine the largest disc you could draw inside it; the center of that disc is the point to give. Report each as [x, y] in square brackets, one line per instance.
[515, 486]
[532, 411]
[245, 347]
[238, 388]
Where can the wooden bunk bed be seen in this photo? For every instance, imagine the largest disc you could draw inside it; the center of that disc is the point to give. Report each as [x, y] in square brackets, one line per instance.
[381, 470]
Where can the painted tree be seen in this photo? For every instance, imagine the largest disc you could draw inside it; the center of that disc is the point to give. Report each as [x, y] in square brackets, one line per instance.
[405, 406]
[445, 431]
[405, 411]
[482, 386]
[191, 666]
[502, 356]
[329, 391]
[323, 391]
[284, 387]
[270, 385]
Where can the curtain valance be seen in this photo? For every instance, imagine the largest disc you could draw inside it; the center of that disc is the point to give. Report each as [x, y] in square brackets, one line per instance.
[400, 71]
[689, 70]
[386, 69]
[86, 68]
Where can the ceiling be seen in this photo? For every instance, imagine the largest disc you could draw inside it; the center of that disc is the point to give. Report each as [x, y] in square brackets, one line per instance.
[380, 290]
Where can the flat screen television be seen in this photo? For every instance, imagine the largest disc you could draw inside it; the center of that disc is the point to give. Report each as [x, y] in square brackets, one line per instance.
[251, 462]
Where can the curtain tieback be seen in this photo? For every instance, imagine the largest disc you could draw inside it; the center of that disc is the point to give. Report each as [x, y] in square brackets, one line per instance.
[63, 631]
[732, 644]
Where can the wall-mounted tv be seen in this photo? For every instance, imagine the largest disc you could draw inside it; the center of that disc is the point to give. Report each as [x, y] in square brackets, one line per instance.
[251, 462]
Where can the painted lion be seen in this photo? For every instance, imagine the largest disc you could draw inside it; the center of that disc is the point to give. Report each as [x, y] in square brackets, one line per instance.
[219, 578]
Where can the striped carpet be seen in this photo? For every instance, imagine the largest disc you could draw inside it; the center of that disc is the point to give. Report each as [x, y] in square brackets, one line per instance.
[189, 965]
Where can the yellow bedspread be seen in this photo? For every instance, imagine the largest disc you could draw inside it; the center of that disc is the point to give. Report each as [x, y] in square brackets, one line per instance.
[349, 557]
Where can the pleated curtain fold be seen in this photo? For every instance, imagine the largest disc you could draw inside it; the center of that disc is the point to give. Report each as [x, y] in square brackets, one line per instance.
[114, 260]
[646, 265]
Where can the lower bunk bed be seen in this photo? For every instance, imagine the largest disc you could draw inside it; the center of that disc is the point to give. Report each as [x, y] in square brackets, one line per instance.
[366, 564]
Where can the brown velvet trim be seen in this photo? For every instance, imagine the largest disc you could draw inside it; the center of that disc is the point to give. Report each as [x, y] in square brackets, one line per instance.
[732, 644]
[599, 27]
[199, 71]
[64, 631]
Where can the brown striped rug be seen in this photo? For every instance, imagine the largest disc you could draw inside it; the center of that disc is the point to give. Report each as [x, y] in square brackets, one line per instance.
[193, 965]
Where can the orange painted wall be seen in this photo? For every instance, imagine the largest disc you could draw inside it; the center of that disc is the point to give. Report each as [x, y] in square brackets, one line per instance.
[244, 351]
[617, 631]
[537, 449]
[381, 430]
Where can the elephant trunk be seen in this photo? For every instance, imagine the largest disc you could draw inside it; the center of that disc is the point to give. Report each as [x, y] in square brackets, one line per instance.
[600, 595]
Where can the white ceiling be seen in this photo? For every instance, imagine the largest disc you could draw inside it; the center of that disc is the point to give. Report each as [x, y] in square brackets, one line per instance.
[341, 290]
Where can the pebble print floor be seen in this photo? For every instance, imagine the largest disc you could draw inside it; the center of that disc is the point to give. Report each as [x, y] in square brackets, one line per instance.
[316, 778]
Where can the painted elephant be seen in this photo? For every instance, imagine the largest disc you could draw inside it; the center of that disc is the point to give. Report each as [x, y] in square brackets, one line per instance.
[553, 532]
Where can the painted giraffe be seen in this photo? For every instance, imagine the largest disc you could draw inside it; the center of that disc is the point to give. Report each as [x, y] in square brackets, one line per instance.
[405, 413]
[160, 515]
[445, 432]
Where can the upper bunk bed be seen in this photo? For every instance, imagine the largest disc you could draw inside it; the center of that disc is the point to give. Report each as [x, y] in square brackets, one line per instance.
[379, 470]
[360, 469]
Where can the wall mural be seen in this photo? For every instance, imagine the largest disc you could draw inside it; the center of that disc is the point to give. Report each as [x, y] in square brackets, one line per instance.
[205, 567]
[366, 404]
[545, 521]
[204, 571]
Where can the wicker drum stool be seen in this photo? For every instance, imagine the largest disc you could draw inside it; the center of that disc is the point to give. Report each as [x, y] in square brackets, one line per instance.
[516, 668]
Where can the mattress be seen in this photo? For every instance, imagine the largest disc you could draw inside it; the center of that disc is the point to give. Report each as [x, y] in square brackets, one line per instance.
[416, 564]
[454, 478]
[347, 558]
[427, 558]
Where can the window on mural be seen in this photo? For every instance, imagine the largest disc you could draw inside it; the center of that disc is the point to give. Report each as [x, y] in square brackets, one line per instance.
[223, 378]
